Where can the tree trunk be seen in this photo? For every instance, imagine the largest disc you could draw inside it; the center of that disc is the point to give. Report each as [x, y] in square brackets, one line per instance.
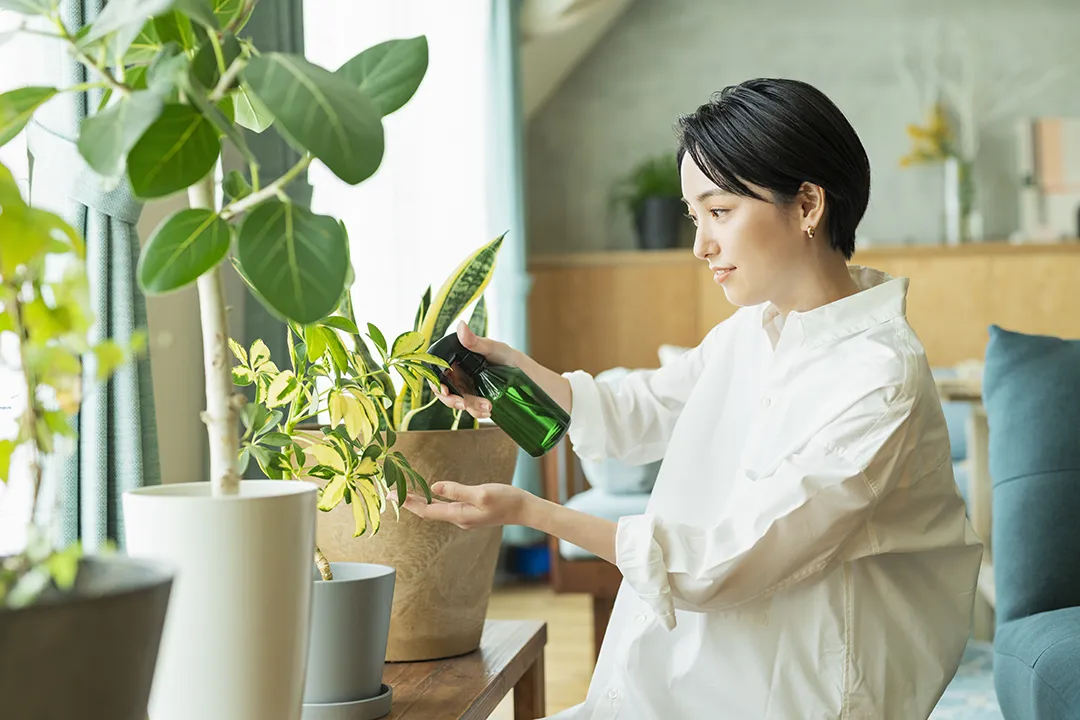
[222, 409]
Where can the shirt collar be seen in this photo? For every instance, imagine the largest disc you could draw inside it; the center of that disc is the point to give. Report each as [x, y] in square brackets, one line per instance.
[881, 298]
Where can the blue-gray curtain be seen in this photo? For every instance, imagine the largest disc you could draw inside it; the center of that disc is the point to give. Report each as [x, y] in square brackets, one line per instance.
[117, 436]
[506, 198]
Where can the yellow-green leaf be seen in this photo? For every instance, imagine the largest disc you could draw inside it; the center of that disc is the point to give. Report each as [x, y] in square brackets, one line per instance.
[64, 565]
[332, 494]
[109, 356]
[316, 342]
[260, 354]
[7, 447]
[282, 389]
[408, 344]
[242, 376]
[365, 501]
[238, 351]
[424, 357]
[464, 286]
[326, 455]
[367, 466]
[359, 514]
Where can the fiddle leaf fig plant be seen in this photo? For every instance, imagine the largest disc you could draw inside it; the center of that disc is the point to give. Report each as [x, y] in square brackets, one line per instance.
[180, 82]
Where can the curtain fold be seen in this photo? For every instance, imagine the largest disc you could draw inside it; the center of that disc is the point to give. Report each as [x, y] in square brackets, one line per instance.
[117, 440]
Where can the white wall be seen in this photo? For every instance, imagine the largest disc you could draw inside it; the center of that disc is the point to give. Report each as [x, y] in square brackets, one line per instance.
[665, 57]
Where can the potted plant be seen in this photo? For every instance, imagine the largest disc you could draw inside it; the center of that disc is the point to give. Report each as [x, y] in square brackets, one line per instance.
[177, 87]
[366, 458]
[651, 193]
[89, 625]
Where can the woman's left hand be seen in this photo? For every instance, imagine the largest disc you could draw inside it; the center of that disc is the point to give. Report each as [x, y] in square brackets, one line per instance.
[472, 506]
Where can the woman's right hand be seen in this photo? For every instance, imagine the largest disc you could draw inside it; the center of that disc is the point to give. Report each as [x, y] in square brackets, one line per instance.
[497, 353]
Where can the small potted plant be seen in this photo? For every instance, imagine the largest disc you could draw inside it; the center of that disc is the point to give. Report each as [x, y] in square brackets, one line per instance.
[651, 194]
[88, 625]
[364, 461]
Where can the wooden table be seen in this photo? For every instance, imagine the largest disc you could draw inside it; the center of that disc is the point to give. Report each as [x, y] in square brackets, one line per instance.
[511, 656]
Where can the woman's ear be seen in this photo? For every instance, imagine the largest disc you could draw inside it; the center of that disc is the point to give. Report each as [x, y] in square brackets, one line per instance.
[811, 201]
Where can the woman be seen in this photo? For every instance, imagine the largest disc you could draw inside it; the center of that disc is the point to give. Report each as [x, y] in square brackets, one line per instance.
[805, 552]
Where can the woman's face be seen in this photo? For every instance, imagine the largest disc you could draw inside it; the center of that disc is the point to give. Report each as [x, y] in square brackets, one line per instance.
[753, 247]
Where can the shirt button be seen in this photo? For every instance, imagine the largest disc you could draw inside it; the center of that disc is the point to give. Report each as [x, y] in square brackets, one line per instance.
[766, 402]
[613, 694]
[643, 618]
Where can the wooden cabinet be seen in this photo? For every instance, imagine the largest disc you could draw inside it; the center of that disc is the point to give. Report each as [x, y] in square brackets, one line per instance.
[599, 310]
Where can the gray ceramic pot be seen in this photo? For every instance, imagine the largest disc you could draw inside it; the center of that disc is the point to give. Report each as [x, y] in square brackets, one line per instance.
[88, 652]
[350, 625]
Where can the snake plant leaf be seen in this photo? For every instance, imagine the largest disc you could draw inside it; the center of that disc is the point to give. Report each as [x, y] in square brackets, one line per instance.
[478, 322]
[320, 112]
[464, 286]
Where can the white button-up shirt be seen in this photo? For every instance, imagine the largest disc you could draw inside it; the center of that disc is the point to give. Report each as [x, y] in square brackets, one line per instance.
[805, 553]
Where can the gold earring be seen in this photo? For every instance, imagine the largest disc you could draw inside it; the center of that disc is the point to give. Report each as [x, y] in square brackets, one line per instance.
[810, 232]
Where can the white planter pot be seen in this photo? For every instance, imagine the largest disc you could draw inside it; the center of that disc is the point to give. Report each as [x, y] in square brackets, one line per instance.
[236, 634]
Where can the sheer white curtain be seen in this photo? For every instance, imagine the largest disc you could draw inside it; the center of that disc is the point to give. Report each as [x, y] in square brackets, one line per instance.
[426, 209]
[24, 60]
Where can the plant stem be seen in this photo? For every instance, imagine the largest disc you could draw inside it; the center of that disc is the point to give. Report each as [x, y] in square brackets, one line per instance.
[235, 208]
[86, 60]
[323, 564]
[227, 78]
[222, 406]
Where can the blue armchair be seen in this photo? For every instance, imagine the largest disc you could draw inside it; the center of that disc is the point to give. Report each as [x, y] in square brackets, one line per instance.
[1031, 390]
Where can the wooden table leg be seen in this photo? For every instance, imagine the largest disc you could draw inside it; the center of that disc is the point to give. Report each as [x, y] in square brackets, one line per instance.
[529, 692]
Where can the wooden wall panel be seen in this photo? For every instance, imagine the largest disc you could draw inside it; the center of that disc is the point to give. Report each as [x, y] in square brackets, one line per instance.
[600, 310]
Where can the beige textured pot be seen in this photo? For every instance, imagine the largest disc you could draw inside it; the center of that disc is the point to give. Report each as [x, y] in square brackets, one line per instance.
[444, 574]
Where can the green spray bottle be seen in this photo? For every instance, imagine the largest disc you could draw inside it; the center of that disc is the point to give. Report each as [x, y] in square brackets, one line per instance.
[519, 406]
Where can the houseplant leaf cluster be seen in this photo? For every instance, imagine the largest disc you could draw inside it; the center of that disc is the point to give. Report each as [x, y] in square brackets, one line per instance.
[181, 82]
[44, 296]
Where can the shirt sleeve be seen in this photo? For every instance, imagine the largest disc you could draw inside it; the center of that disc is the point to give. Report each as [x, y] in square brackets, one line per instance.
[631, 418]
[782, 527]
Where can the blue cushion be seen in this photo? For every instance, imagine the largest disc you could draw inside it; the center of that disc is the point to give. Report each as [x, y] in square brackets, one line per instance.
[618, 478]
[605, 505]
[956, 417]
[1037, 666]
[1031, 389]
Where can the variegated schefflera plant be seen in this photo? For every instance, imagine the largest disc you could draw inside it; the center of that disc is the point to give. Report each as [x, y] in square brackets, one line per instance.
[335, 370]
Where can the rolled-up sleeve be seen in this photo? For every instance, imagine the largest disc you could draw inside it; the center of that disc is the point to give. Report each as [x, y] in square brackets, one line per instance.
[631, 418]
[780, 527]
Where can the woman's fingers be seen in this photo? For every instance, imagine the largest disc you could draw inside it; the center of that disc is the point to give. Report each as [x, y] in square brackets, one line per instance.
[476, 406]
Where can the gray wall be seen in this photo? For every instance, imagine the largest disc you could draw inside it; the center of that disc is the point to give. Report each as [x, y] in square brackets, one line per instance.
[665, 57]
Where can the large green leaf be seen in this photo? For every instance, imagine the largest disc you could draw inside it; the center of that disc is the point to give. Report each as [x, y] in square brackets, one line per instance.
[464, 286]
[167, 72]
[294, 258]
[28, 7]
[478, 322]
[18, 106]
[320, 112]
[106, 138]
[182, 248]
[177, 151]
[389, 73]
[217, 117]
[155, 34]
[250, 112]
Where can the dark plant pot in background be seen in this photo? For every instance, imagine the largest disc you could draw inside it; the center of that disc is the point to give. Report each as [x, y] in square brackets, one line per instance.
[658, 222]
[350, 626]
[90, 652]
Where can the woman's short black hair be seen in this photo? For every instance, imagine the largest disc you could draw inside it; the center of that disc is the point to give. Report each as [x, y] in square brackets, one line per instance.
[778, 134]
